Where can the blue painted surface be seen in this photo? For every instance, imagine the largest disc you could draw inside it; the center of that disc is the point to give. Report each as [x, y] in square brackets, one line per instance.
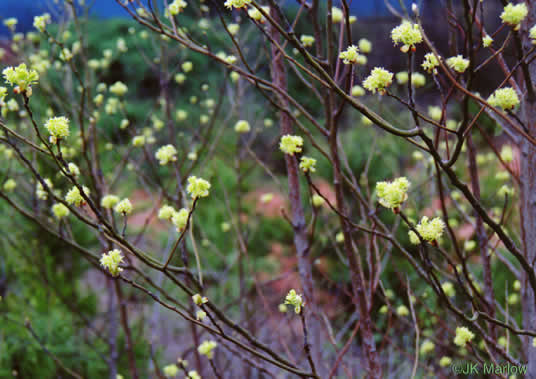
[25, 10]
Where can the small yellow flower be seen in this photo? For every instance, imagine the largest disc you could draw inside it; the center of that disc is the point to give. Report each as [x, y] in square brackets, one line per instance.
[138, 141]
[402, 311]
[242, 126]
[60, 211]
[458, 63]
[10, 185]
[505, 98]
[180, 218]
[365, 45]
[513, 299]
[197, 187]
[402, 77]
[118, 89]
[507, 154]
[350, 55]
[170, 370]
[408, 34]
[448, 288]
[430, 63]
[11, 23]
[166, 154]
[392, 194]
[307, 40]
[180, 78]
[294, 300]
[357, 91]
[291, 144]
[111, 261]
[487, 41]
[58, 127]
[445, 361]
[20, 76]
[336, 15]
[207, 348]
[266, 198]
[74, 196]
[200, 315]
[517, 285]
[256, 15]
[378, 80]
[435, 113]
[514, 14]
[187, 66]
[236, 3]
[317, 200]
[308, 164]
[109, 201]
[166, 212]
[199, 300]
[124, 207]
[532, 34]
[427, 347]
[40, 22]
[177, 6]
[233, 28]
[463, 335]
[430, 230]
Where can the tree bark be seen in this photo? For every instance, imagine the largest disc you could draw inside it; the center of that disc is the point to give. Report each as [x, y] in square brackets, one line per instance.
[528, 199]
[312, 319]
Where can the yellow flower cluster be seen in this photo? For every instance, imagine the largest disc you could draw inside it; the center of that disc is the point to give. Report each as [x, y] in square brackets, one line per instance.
[514, 14]
[242, 126]
[308, 164]
[197, 187]
[236, 3]
[430, 63]
[429, 230]
[111, 261]
[392, 194]
[294, 300]
[291, 144]
[487, 41]
[177, 6]
[207, 348]
[170, 371]
[60, 211]
[40, 22]
[124, 207]
[58, 127]
[75, 197]
[256, 15]
[427, 347]
[166, 154]
[180, 218]
[21, 77]
[109, 201]
[9, 185]
[505, 98]
[402, 311]
[408, 34]
[448, 288]
[378, 80]
[463, 335]
[458, 63]
[350, 56]
[365, 45]
[199, 300]
[118, 89]
[307, 40]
